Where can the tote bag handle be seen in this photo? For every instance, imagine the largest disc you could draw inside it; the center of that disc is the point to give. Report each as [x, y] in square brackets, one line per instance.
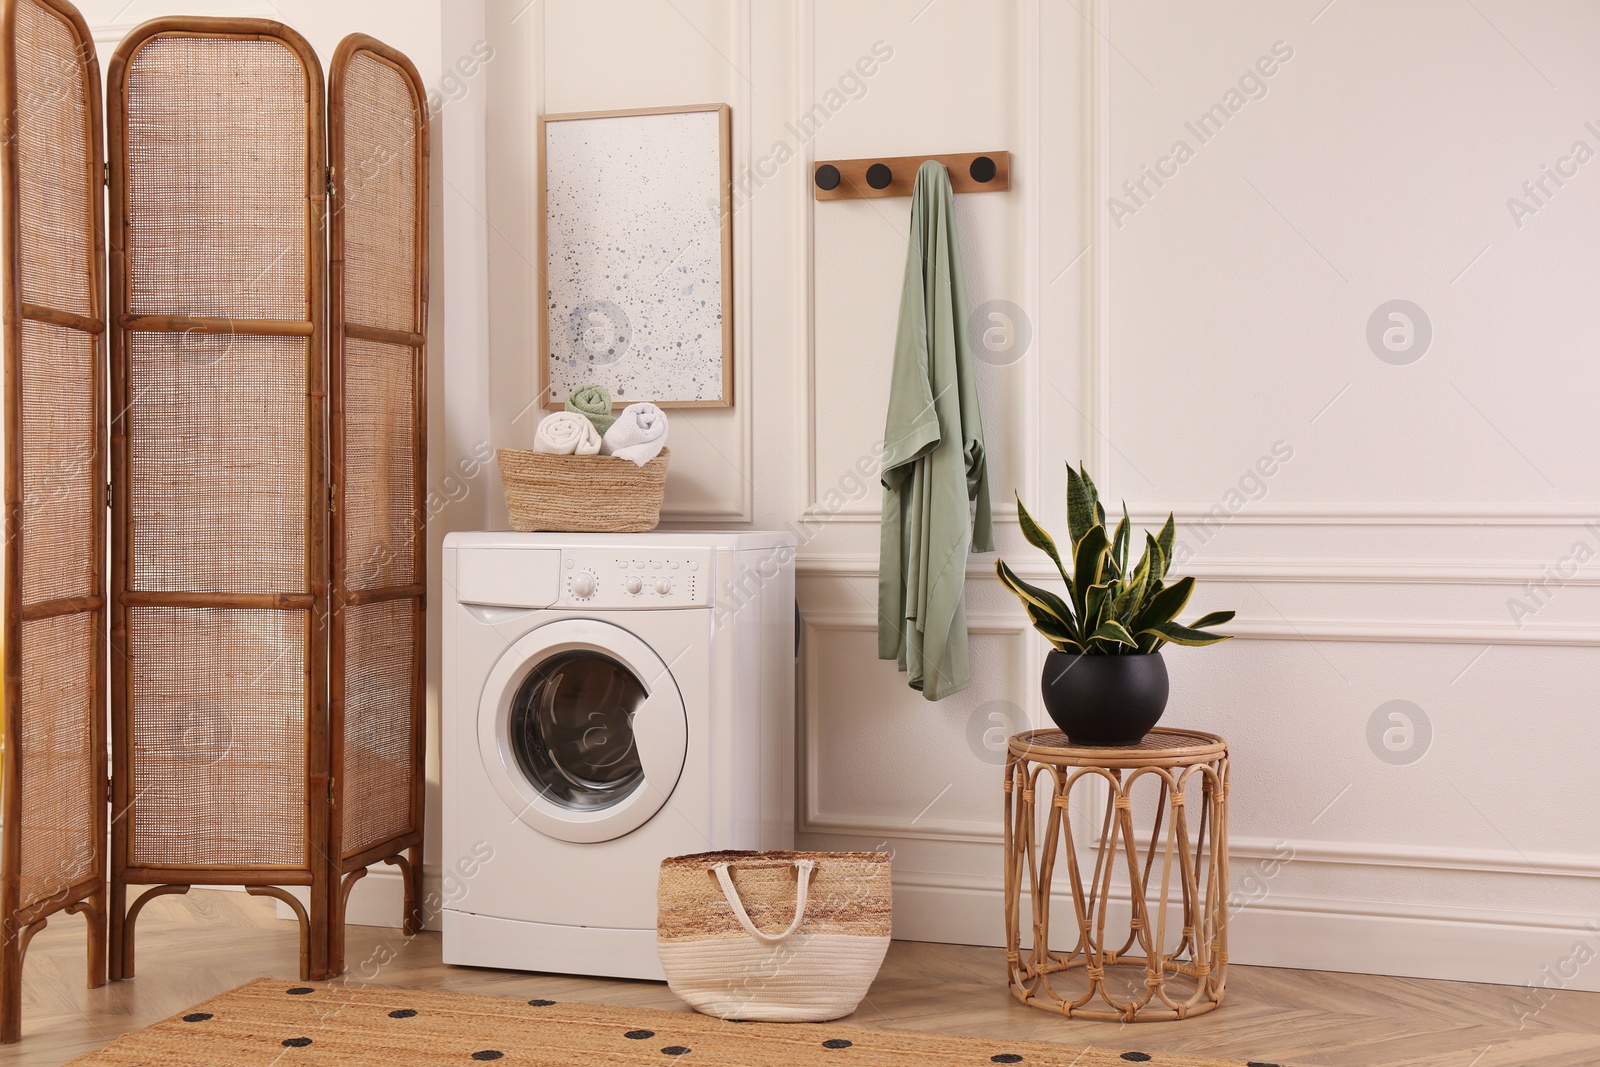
[803, 870]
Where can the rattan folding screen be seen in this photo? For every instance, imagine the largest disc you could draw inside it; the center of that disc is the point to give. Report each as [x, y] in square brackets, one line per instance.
[379, 284]
[267, 468]
[52, 639]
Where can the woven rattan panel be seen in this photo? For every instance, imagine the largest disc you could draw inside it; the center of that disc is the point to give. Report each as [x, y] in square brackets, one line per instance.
[380, 195]
[218, 457]
[216, 179]
[56, 372]
[379, 754]
[377, 137]
[380, 485]
[57, 230]
[59, 464]
[219, 733]
[57, 766]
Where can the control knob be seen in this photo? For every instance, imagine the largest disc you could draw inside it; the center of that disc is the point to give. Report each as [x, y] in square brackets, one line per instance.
[663, 586]
[584, 585]
[633, 584]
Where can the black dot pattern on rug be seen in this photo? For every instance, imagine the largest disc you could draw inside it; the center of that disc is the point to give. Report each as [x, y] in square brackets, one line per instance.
[837, 1042]
[299, 991]
[1006, 1057]
[1259, 1063]
[639, 1035]
[296, 1042]
[540, 1003]
[1136, 1057]
[197, 1017]
[676, 1050]
[488, 1054]
[403, 1013]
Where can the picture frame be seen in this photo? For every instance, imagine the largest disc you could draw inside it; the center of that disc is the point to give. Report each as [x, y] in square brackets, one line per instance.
[635, 255]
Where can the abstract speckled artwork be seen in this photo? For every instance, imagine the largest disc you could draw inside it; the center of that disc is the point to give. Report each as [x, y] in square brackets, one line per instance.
[636, 246]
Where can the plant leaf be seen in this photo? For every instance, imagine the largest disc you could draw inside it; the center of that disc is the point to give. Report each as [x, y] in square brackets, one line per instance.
[1094, 494]
[1160, 562]
[1119, 545]
[1131, 596]
[1094, 607]
[1088, 567]
[1165, 605]
[1043, 599]
[1115, 632]
[1080, 505]
[1183, 635]
[1216, 618]
[1169, 536]
[1039, 538]
[1053, 631]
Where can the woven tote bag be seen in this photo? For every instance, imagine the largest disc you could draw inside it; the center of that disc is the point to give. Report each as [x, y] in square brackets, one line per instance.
[774, 936]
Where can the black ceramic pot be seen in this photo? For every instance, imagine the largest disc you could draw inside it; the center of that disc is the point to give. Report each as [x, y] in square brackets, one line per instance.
[1105, 700]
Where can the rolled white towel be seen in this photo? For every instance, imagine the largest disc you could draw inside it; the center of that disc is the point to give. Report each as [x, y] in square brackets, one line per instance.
[566, 433]
[639, 434]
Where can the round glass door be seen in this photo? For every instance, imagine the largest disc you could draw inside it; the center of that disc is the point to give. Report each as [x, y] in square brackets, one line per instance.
[571, 730]
[582, 730]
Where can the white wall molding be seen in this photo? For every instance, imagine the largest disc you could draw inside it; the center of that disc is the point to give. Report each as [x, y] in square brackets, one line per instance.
[1097, 311]
[1388, 631]
[1506, 862]
[805, 76]
[811, 818]
[743, 510]
[1429, 632]
[1368, 937]
[1309, 570]
[1581, 516]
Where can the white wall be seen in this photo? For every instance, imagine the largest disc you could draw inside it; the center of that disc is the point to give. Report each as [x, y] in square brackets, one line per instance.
[1225, 314]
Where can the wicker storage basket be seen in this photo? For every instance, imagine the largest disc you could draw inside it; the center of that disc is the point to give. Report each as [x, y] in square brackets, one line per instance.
[582, 494]
[774, 936]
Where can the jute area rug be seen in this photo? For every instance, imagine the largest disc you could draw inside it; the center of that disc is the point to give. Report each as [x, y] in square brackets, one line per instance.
[331, 1025]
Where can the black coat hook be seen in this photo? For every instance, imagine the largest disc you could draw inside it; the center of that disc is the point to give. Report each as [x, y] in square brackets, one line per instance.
[827, 177]
[879, 176]
[982, 170]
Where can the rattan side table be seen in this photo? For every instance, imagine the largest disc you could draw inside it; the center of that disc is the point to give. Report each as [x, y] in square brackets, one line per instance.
[1151, 912]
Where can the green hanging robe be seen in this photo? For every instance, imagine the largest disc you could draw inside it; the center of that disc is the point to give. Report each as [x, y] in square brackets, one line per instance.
[933, 462]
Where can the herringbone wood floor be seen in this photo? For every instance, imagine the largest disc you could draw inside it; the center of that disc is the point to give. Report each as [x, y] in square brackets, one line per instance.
[196, 946]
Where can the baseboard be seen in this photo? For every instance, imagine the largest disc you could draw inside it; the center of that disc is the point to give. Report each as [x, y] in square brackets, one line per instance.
[1362, 937]
[1532, 950]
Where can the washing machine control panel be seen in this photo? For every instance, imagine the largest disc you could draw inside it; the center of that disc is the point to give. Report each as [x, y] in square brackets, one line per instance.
[650, 578]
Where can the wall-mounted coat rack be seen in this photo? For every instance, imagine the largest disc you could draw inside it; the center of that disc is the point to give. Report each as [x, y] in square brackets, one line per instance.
[864, 179]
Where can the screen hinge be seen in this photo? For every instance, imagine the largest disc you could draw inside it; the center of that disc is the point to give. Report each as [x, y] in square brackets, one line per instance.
[110, 486]
[108, 173]
[110, 793]
[331, 173]
[333, 498]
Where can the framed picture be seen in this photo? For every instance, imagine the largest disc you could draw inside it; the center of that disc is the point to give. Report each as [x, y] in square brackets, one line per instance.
[636, 245]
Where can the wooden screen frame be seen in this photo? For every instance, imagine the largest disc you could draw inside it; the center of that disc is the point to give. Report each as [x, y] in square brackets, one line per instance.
[22, 919]
[541, 243]
[405, 850]
[259, 880]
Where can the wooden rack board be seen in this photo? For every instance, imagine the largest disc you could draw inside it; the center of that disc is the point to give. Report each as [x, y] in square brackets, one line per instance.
[872, 178]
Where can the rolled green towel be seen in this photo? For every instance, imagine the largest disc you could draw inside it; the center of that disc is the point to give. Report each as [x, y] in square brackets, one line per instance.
[594, 403]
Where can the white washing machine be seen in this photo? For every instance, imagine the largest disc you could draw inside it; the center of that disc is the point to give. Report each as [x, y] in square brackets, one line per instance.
[609, 700]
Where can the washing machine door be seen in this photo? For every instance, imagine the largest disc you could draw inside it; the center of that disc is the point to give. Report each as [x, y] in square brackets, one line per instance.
[582, 730]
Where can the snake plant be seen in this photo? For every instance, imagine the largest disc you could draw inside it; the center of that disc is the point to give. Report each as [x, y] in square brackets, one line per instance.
[1109, 609]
